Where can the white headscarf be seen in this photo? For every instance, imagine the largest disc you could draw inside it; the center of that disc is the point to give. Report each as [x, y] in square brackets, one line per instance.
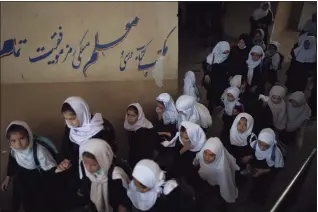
[229, 106]
[237, 138]
[25, 157]
[148, 173]
[236, 81]
[251, 64]
[196, 135]
[306, 55]
[260, 13]
[221, 171]
[88, 126]
[186, 109]
[297, 115]
[189, 87]
[278, 110]
[267, 135]
[99, 187]
[142, 121]
[170, 113]
[217, 56]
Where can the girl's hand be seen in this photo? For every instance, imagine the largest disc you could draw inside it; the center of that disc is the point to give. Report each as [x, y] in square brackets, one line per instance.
[246, 159]
[5, 183]
[207, 79]
[186, 146]
[64, 165]
[235, 112]
[122, 209]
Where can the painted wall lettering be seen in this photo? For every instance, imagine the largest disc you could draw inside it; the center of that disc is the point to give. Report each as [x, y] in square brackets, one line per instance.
[62, 52]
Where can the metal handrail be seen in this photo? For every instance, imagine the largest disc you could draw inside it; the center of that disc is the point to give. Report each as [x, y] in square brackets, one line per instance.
[303, 168]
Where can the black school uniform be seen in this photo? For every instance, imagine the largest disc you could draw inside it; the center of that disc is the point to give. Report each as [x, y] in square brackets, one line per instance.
[117, 194]
[32, 189]
[175, 201]
[237, 61]
[238, 152]
[70, 151]
[263, 118]
[298, 74]
[143, 144]
[182, 166]
[219, 82]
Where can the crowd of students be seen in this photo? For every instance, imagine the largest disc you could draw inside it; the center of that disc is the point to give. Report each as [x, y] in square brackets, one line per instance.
[171, 163]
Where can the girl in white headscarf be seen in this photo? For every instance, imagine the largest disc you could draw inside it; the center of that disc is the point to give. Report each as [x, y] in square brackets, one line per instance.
[30, 181]
[298, 113]
[149, 187]
[256, 69]
[142, 137]
[258, 39]
[218, 167]
[303, 63]
[189, 87]
[264, 164]
[81, 125]
[277, 106]
[262, 18]
[216, 73]
[190, 110]
[232, 107]
[273, 60]
[166, 109]
[109, 182]
[241, 134]
[187, 142]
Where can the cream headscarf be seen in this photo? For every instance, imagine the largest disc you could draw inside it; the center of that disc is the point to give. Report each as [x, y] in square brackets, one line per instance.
[221, 171]
[142, 121]
[260, 13]
[251, 64]
[237, 138]
[297, 115]
[99, 188]
[88, 126]
[148, 173]
[236, 81]
[190, 87]
[229, 106]
[306, 55]
[267, 135]
[170, 113]
[25, 157]
[217, 56]
[278, 110]
[186, 109]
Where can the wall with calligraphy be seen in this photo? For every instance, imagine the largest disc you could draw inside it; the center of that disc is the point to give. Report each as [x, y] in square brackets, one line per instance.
[82, 41]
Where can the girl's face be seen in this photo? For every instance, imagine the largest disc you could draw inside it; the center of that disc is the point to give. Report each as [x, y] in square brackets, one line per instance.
[262, 145]
[306, 44]
[185, 138]
[255, 56]
[132, 117]
[265, 7]
[294, 103]
[226, 52]
[18, 140]
[71, 119]
[208, 156]
[230, 97]
[272, 49]
[276, 99]
[140, 187]
[91, 164]
[241, 44]
[160, 106]
[242, 125]
[257, 36]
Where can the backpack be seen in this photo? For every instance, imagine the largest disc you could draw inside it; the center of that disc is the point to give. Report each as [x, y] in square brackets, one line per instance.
[205, 117]
[122, 163]
[280, 146]
[46, 143]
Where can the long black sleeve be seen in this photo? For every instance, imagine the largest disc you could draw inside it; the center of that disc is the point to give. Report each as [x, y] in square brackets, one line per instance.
[178, 201]
[118, 195]
[12, 166]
